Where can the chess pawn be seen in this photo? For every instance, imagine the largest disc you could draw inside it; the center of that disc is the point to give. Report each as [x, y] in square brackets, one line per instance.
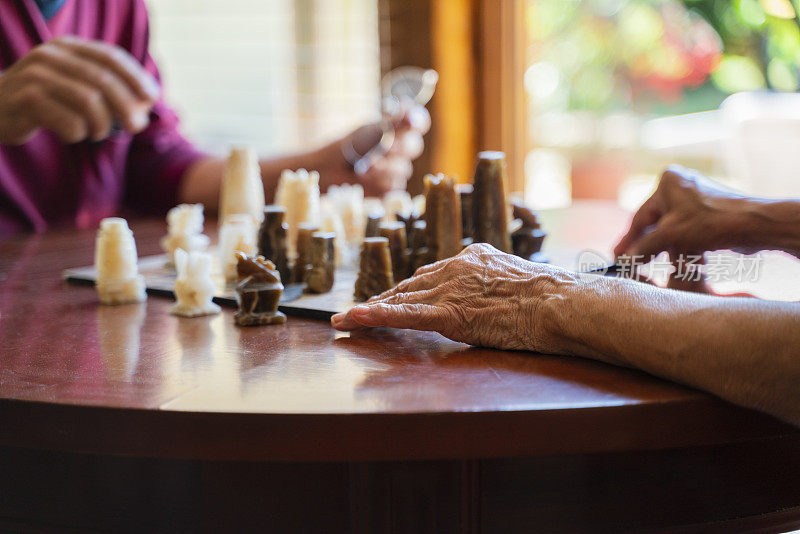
[298, 192]
[115, 259]
[185, 223]
[320, 270]
[238, 234]
[375, 269]
[194, 288]
[242, 190]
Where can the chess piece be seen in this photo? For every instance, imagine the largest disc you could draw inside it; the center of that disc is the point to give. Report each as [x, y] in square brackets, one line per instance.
[331, 221]
[490, 212]
[258, 291]
[397, 202]
[372, 225]
[236, 235]
[418, 249]
[194, 288]
[272, 238]
[375, 270]
[528, 237]
[298, 192]
[242, 190]
[442, 217]
[398, 248]
[115, 259]
[303, 260]
[320, 271]
[465, 196]
[347, 202]
[185, 230]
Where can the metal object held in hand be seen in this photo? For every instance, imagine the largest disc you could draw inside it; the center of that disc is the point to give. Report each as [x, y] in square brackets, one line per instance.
[403, 84]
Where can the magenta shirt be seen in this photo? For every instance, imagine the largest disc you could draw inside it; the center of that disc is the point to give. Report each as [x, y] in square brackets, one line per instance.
[45, 183]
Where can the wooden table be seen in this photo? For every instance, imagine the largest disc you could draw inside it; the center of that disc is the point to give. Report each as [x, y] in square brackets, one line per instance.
[130, 419]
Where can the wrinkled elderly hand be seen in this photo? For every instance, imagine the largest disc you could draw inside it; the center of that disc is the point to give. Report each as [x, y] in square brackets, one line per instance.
[77, 89]
[388, 172]
[483, 297]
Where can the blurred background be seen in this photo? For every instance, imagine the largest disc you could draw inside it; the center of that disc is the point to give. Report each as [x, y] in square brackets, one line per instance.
[589, 98]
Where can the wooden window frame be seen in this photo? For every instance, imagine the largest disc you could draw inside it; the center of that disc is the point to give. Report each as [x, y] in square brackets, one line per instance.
[478, 47]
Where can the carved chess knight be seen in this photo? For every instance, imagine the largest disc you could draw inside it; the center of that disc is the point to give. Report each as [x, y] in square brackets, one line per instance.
[185, 230]
[115, 259]
[194, 287]
[258, 291]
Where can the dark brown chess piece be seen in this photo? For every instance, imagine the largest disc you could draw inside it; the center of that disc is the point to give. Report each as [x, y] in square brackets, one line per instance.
[320, 271]
[375, 270]
[272, 239]
[258, 291]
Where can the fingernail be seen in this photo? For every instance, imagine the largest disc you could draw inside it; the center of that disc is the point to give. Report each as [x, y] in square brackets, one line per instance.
[337, 319]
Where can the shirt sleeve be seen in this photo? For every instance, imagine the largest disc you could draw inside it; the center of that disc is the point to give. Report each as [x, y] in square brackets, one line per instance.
[159, 156]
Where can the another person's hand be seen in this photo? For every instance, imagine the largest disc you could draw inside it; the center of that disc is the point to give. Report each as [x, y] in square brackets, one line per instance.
[688, 214]
[76, 88]
[482, 296]
[389, 172]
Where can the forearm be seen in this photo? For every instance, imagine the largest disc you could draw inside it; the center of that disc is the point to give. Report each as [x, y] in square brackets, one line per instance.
[772, 224]
[201, 182]
[743, 350]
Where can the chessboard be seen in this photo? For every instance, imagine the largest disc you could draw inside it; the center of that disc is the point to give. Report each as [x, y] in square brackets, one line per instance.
[160, 280]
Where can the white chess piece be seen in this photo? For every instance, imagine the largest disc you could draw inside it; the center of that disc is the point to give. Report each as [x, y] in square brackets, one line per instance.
[115, 260]
[298, 192]
[242, 190]
[194, 287]
[237, 234]
[185, 230]
[348, 202]
[395, 202]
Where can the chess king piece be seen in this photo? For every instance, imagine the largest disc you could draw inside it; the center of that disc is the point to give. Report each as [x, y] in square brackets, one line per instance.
[320, 270]
[442, 217]
[272, 239]
[490, 213]
[236, 235]
[375, 269]
[298, 192]
[185, 223]
[258, 291]
[194, 287]
[242, 190]
[115, 259]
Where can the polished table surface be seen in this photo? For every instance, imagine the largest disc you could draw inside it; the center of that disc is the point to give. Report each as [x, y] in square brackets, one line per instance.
[133, 379]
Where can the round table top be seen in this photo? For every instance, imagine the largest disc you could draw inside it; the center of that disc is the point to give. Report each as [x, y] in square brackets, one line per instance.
[134, 379]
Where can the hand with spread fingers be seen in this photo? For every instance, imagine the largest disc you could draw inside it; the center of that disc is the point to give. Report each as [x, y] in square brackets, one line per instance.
[481, 296]
[76, 88]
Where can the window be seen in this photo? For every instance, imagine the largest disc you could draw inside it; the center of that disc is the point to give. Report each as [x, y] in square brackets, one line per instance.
[278, 75]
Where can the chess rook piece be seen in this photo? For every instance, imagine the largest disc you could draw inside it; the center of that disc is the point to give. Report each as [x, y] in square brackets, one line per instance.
[185, 223]
[241, 190]
[115, 259]
[490, 212]
[442, 217]
[303, 247]
[375, 270]
[194, 287]
[237, 234]
[258, 291]
[320, 271]
[465, 196]
[298, 192]
[272, 239]
[398, 248]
